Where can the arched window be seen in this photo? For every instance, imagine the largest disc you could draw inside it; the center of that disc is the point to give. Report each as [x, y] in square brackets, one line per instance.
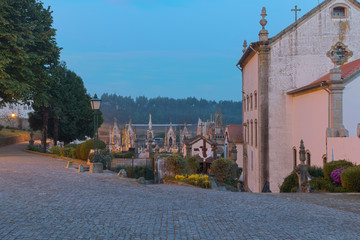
[294, 157]
[308, 158]
[324, 159]
[255, 99]
[255, 132]
[252, 135]
[244, 104]
[251, 101]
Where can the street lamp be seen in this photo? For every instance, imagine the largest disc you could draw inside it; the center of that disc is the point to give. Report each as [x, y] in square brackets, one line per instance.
[13, 115]
[95, 105]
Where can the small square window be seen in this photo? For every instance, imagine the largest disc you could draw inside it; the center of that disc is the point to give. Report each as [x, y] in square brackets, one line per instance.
[339, 12]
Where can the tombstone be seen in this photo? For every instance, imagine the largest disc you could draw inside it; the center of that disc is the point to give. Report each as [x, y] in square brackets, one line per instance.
[302, 171]
[122, 173]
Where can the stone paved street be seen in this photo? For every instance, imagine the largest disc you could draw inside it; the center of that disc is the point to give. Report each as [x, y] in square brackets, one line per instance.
[41, 199]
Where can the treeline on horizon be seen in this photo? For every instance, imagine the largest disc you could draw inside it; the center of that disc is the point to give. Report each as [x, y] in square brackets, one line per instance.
[164, 109]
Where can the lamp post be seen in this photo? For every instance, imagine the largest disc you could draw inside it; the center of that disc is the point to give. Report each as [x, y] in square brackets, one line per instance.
[95, 105]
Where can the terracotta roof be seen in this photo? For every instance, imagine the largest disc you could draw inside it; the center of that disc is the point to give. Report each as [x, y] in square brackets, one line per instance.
[197, 138]
[235, 133]
[346, 71]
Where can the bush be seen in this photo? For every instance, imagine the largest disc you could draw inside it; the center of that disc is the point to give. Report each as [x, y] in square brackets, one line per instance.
[104, 158]
[71, 145]
[66, 152]
[192, 164]
[290, 183]
[326, 185]
[138, 171]
[55, 150]
[175, 164]
[34, 148]
[331, 166]
[222, 169]
[336, 176]
[350, 179]
[73, 153]
[315, 172]
[199, 180]
[84, 148]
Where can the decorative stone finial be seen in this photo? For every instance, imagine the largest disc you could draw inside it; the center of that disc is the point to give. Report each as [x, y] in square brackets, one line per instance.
[263, 34]
[339, 54]
[245, 46]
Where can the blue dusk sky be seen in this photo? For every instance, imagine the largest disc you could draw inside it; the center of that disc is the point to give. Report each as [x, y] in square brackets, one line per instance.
[168, 48]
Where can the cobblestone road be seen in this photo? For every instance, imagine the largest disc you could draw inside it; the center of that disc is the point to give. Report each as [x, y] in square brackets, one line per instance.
[41, 199]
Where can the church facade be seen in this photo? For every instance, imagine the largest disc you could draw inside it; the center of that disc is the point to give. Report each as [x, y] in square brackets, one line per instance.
[292, 91]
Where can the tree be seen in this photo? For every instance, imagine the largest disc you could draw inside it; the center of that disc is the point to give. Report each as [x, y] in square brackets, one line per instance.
[70, 115]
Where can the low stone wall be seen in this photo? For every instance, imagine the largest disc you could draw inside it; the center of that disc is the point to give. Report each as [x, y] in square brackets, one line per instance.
[128, 162]
[78, 161]
[16, 139]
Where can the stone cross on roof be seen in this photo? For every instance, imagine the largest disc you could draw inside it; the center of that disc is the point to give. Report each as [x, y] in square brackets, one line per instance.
[296, 10]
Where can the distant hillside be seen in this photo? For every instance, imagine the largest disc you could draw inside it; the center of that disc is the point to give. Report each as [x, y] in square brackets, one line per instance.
[163, 109]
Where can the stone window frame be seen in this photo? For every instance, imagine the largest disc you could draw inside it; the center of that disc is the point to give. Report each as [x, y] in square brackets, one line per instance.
[255, 100]
[345, 7]
[308, 157]
[245, 137]
[252, 132]
[294, 156]
[244, 104]
[251, 101]
[256, 138]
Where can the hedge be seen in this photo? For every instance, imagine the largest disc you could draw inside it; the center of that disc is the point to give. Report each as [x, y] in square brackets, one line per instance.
[222, 169]
[331, 166]
[83, 149]
[350, 179]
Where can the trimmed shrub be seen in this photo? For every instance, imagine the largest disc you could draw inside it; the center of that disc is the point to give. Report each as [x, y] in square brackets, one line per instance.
[222, 169]
[192, 164]
[85, 148]
[105, 159]
[326, 185]
[65, 152]
[316, 172]
[175, 164]
[34, 148]
[331, 166]
[290, 183]
[55, 150]
[350, 179]
[71, 145]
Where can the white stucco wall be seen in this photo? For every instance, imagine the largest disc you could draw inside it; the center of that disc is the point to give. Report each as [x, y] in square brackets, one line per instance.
[250, 86]
[351, 108]
[198, 145]
[310, 120]
[344, 148]
[299, 58]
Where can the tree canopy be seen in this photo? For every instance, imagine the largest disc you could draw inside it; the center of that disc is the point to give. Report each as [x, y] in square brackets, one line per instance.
[27, 51]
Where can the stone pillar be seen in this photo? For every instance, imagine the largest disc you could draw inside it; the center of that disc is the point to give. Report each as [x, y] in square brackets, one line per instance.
[233, 153]
[302, 171]
[336, 87]
[358, 130]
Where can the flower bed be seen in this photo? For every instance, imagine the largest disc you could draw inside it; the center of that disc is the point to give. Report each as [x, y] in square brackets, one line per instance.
[199, 180]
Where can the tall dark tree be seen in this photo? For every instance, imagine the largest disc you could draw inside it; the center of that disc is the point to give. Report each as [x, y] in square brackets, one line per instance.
[70, 113]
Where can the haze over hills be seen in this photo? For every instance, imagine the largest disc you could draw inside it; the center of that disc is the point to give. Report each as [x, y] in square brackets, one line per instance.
[164, 110]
